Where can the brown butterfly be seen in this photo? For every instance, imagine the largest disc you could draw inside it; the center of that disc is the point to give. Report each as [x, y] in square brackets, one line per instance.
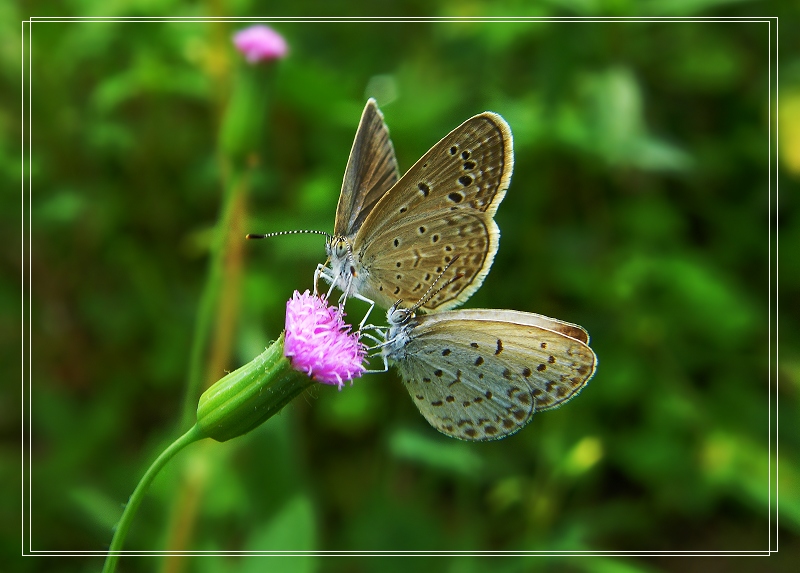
[392, 238]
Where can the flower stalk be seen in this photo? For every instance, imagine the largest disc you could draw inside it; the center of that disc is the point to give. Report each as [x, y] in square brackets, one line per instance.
[316, 347]
[121, 531]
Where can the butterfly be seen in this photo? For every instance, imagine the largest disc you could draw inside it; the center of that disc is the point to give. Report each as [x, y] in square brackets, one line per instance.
[481, 374]
[392, 237]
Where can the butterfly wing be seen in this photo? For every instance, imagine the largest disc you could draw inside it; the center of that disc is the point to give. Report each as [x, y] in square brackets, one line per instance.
[371, 171]
[481, 374]
[530, 319]
[416, 252]
[468, 171]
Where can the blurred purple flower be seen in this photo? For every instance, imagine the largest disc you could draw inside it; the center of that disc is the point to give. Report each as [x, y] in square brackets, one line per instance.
[319, 342]
[260, 43]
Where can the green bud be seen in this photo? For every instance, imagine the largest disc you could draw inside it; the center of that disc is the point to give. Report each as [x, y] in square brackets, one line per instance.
[247, 397]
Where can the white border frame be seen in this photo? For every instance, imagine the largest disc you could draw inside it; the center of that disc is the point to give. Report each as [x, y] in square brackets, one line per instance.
[26, 280]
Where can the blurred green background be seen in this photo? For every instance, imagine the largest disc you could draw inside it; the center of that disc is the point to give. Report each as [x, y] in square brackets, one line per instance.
[638, 209]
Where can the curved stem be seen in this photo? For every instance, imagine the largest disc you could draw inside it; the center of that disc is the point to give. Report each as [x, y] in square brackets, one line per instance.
[135, 500]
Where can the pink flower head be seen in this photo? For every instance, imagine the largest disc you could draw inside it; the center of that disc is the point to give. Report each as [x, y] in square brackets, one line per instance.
[260, 43]
[319, 342]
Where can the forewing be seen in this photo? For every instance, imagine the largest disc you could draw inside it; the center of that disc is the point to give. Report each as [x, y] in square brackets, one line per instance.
[470, 168]
[455, 187]
[483, 377]
[530, 319]
[404, 261]
[371, 171]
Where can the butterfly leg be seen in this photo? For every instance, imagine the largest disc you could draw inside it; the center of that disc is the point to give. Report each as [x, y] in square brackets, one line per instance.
[383, 358]
[379, 342]
[322, 271]
[371, 304]
[345, 292]
[384, 369]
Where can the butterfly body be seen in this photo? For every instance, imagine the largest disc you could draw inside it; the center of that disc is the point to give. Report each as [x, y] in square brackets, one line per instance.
[393, 236]
[481, 374]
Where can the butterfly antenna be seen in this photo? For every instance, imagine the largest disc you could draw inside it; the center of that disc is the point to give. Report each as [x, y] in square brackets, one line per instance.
[430, 293]
[294, 232]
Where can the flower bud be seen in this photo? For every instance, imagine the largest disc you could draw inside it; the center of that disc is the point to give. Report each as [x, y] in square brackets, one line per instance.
[317, 346]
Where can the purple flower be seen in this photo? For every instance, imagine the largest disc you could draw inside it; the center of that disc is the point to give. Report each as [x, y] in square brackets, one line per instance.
[260, 43]
[319, 342]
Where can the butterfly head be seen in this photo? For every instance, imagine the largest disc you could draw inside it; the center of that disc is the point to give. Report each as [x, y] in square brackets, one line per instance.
[339, 249]
[397, 316]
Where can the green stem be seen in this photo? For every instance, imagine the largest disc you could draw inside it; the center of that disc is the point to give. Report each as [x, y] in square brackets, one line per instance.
[135, 500]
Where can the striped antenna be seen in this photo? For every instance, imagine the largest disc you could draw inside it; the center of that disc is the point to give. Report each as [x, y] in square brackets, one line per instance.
[432, 293]
[295, 232]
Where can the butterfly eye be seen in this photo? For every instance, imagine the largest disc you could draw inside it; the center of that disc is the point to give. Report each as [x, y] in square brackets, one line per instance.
[341, 248]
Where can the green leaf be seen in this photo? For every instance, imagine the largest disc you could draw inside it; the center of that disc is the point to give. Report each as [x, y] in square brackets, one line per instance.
[293, 528]
[437, 452]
